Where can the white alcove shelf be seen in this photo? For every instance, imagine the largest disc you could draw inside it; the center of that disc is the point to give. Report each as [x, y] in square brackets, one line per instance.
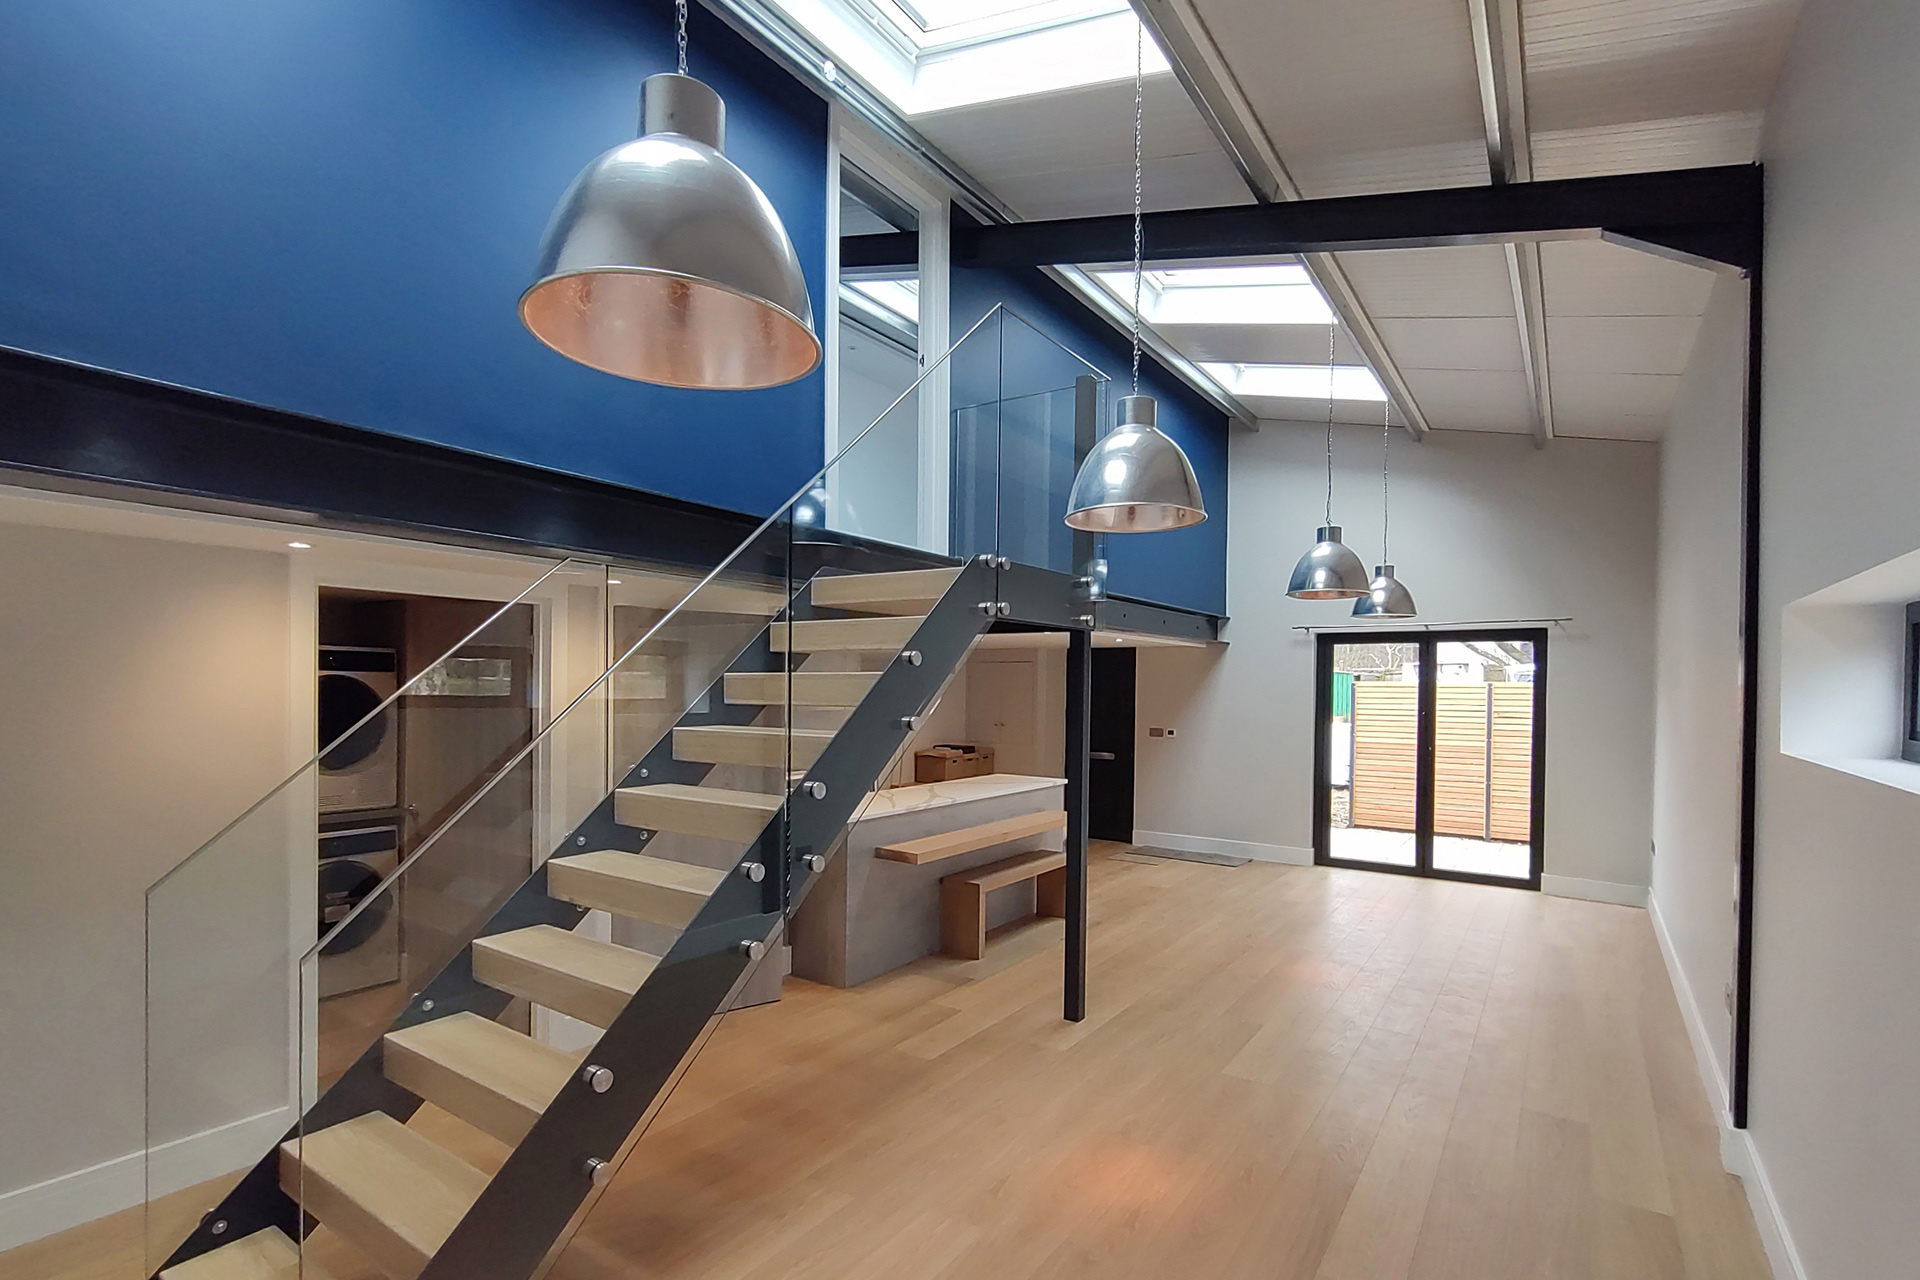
[1842, 674]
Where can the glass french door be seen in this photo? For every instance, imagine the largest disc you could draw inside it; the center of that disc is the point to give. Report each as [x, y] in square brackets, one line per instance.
[1430, 753]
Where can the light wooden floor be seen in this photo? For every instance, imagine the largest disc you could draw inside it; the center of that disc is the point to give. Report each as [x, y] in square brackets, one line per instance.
[1286, 1072]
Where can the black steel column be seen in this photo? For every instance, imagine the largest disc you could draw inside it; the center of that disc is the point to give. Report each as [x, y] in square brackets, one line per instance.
[1749, 716]
[1079, 731]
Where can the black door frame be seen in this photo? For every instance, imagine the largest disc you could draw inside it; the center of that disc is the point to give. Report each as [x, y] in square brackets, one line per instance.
[1423, 794]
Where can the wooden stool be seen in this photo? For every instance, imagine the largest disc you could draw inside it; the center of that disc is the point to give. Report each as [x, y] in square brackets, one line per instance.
[963, 897]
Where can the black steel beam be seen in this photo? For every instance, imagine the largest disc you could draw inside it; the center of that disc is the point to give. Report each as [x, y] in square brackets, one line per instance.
[1707, 214]
[76, 429]
[1117, 613]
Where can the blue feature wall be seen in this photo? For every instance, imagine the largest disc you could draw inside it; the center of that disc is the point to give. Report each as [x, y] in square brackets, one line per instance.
[1187, 568]
[331, 206]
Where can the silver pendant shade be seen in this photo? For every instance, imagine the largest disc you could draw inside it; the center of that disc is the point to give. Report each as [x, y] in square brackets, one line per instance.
[1136, 479]
[1329, 571]
[666, 264]
[1385, 597]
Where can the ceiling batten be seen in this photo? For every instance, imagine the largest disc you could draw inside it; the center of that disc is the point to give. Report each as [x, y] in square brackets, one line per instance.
[1183, 36]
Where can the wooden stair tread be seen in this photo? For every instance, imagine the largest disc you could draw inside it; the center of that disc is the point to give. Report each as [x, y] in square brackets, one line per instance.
[696, 811]
[809, 689]
[749, 744]
[582, 977]
[906, 591]
[393, 1193]
[267, 1254]
[636, 885]
[951, 844]
[491, 1076]
[845, 635]
[1021, 866]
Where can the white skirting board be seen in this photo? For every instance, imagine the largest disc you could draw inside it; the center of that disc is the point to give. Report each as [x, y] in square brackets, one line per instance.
[1737, 1153]
[1230, 848]
[1625, 895]
[35, 1212]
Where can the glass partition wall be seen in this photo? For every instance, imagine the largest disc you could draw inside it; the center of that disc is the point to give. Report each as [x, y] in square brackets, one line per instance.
[639, 833]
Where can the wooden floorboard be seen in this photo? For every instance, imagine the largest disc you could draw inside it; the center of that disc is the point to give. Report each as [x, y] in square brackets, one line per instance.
[1285, 1072]
[1289, 1073]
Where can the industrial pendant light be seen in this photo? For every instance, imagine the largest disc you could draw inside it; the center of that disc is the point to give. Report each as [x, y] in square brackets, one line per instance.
[666, 264]
[1386, 598]
[1136, 479]
[1329, 571]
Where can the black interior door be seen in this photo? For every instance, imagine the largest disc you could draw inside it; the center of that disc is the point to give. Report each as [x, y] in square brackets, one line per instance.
[1110, 776]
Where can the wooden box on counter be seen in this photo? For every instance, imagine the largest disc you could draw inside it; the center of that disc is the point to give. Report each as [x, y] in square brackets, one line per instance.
[942, 764]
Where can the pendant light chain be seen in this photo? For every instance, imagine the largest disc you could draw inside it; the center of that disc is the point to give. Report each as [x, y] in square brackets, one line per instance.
[1330, 333]
[681, 14]
[1386, 452]
[1139, 245]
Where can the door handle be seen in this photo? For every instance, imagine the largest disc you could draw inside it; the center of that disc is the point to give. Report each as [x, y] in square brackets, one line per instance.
[1101, 755]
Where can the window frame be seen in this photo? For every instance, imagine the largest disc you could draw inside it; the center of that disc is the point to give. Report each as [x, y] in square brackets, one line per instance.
[1910, 685]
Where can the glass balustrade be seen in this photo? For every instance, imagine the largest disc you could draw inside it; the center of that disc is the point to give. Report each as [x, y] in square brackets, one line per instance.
[602, 886]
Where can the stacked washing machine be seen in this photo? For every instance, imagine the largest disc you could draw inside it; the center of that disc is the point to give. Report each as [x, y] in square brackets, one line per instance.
[359, 789]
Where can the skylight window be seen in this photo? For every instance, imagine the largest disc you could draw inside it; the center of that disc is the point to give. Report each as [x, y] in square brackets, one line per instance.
[933, 55]
[1277, 293]
[1297, 381]
[943, 18]
[901, 297]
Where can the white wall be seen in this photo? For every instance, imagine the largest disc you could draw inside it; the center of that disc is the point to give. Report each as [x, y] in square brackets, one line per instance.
[146, 702]
[156, 679]
[1485, 527]
[1696, 783]
[1835, 1119]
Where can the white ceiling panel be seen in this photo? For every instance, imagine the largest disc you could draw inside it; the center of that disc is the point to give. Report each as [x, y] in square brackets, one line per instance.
[1472, 400]
[1291, 411]
[1594, 278]
[1643, 146]
[1615, 406]
[1071, 153]
[1606, 72]
[1468, 280]
[1347, 90]
[1170, 182]
[1431, 166]
[1620, 344]
[1470, 342]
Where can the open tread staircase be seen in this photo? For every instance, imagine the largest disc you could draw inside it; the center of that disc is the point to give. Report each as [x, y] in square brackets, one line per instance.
[636, 885]
[267, 1254]
[398, 1196]
[491, 1076]
[394, 1193]
[582, 977]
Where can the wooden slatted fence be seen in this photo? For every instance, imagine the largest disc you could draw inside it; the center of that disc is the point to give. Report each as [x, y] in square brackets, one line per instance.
[1483, 758]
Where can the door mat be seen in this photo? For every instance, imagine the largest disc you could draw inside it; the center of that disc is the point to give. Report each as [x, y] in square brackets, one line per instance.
[1183, 855]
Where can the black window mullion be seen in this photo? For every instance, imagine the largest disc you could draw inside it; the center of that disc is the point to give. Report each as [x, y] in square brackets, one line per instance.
[1424, 755]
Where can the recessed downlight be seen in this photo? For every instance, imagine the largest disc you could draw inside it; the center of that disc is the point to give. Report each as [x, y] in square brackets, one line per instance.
[301, 546]
[613, 582]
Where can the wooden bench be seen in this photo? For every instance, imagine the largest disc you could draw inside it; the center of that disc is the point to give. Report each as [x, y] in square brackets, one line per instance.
[951, 844]
[963, 897]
